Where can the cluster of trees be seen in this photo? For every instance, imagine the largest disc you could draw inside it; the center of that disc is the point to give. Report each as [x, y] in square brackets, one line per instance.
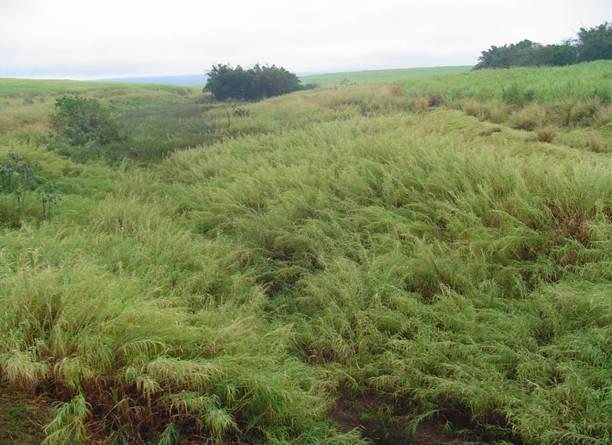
[590, 44]
[227, 82]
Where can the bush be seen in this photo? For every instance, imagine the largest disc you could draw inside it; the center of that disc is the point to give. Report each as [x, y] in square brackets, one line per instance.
[16, 176]
[256, 83]
[82, 121]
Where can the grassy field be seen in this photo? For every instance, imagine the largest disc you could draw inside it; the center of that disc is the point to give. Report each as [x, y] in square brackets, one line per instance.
[26, 88]
[373, 263]
[381, 76]
[521, 85]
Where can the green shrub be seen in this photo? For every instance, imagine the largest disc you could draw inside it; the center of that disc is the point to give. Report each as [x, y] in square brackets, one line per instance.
[84, 121]
[16, 176]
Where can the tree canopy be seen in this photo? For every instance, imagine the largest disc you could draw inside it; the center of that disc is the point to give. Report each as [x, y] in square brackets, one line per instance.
[595, 43]
[591, 44]
[260, 81]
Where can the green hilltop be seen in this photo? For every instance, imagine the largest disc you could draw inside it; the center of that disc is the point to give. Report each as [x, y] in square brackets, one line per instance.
[378, 76]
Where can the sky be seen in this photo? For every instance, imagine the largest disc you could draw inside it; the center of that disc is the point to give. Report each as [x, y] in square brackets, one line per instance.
[84, 39]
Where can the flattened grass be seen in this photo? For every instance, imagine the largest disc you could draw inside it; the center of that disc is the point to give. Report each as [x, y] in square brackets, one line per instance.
[426, 264]
[351, 249]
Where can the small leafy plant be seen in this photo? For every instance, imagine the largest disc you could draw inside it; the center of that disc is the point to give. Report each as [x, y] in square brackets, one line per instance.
[49, 197]
[17, 176]
[18, 179]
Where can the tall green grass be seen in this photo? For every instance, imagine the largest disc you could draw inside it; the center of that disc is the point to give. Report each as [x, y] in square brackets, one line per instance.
[570, 105]
[334, 266]
[541, 84]
[428, 266]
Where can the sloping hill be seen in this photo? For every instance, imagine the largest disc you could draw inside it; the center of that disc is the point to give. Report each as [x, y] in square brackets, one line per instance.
[378, 76]
[189, 80]
[365, 264]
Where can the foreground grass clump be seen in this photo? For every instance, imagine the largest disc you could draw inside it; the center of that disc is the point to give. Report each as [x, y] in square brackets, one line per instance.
[343, 266]
[102, 347]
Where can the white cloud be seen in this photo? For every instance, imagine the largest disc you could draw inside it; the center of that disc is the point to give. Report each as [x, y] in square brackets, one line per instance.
[85, 38]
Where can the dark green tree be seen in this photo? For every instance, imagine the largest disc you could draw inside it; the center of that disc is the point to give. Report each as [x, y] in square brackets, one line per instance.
[261, 81]
[591, 44]
[595, 43]
[557, 55]
[522, 53]
[226, 82]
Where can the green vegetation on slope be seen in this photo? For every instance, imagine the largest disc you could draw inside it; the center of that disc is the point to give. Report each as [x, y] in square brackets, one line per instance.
[380, 76]
[582, 81]
[28, 88]
[569, 105]
[342, 265]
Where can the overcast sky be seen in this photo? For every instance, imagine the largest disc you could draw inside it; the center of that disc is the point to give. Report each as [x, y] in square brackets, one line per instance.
[112, 38]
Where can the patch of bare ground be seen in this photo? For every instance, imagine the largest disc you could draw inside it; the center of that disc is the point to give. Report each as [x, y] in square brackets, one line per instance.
[386, 425]
[22, 417]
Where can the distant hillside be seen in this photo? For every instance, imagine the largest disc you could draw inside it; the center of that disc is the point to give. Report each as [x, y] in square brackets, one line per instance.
[324, 80]
[188, 80]
[40, 87]
[374, 76]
